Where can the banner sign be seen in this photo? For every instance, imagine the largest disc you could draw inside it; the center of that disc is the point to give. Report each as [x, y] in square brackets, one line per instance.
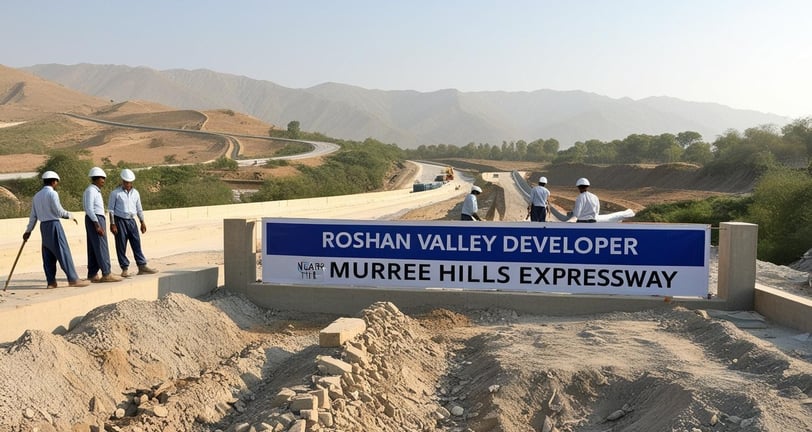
[596, 258]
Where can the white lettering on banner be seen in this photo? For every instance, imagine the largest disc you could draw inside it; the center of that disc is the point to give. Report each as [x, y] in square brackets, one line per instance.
[365, 240]
[565, 245]
[448, 242]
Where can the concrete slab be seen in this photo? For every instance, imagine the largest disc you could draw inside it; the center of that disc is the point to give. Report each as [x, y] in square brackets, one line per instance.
[340, 331]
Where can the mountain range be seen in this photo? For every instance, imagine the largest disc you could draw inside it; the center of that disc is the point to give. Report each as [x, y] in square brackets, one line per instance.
[410, 118]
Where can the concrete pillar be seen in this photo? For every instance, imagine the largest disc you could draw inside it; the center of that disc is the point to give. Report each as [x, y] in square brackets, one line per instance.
[239, 253]
[737, 264]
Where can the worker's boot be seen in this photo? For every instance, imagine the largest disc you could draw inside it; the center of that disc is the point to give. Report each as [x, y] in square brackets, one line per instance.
[109, 277]
[144, 269]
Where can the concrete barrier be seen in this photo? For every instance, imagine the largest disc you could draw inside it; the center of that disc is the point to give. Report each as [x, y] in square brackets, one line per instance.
[784, 308]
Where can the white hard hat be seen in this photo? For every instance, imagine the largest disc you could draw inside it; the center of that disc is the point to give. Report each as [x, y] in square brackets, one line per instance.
[476, 189]
[96, 172]
[50, 175]
[543, 180]
[127, 175]
[582, 182]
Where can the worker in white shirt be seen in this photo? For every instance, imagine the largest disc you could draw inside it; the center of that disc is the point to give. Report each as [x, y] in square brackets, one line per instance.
[587, 205]
[470, 207]
[125, 207]
[538, 201]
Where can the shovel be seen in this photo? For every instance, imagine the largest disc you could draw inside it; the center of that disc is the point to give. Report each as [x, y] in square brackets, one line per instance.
[15, 264]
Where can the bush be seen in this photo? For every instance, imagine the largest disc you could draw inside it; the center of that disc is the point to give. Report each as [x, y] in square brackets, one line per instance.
[272, 163]
[294, 148]
[224, 163]
[710, 211]
[180, 186]
[782, 208]
[356, 168]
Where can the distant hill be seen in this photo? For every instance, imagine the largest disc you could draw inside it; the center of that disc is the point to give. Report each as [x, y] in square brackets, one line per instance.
[24, 96]
[411, 118]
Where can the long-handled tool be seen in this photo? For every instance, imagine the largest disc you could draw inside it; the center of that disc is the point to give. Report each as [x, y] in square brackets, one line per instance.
[15, 264]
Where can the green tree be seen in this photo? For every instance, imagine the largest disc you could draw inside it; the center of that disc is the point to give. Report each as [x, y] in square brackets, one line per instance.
[798, 137]
[665, 148]
[575, 154]
[685, 139]
[521, 149]
[550, 147]
[599, 152]
[782, 208]
[634, 148]
[294, 129]
[726, 144]
[698, 153]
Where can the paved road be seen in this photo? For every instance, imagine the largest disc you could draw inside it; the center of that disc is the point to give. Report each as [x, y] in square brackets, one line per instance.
[319, 148]
[18, 175]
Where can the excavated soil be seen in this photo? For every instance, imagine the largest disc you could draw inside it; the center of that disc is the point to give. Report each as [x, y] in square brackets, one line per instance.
[221, 363]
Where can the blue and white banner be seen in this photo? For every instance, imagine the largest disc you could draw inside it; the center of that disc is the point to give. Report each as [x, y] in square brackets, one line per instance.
[597, 258]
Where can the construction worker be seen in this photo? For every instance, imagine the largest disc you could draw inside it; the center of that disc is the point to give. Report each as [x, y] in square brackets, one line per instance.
[98, 252]
[469, 205]
[538, 201]
[125, 206]
[47, 209]
[587, 205]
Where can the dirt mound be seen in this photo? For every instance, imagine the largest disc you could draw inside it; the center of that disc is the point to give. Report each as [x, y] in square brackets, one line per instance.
[80, 378]
[223, 364]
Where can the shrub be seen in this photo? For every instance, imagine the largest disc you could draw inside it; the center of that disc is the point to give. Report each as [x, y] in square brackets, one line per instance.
[224, 163]
[782, 208]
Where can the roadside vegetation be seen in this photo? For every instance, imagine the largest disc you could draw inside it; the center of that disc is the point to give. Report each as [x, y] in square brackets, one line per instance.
[357, 168]
[34, 137]
[781, 205]
[293, 148]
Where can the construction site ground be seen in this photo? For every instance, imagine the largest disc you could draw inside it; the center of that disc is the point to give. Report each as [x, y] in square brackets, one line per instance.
[222, 363]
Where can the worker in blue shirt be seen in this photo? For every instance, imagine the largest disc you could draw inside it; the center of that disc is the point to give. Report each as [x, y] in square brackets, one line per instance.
[47, 210]
[98, 251]
[125, 207]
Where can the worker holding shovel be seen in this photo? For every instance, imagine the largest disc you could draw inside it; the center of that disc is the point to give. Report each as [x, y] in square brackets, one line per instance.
[47, 209]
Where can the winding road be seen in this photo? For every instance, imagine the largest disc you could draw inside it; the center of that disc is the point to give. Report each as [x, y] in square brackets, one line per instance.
[232, 151]
[319, 148]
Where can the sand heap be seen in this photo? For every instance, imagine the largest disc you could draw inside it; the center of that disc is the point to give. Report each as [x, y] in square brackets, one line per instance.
[180, 364]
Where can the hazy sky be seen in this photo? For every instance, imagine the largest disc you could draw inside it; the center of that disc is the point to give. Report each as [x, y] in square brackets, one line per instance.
[744, 54]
